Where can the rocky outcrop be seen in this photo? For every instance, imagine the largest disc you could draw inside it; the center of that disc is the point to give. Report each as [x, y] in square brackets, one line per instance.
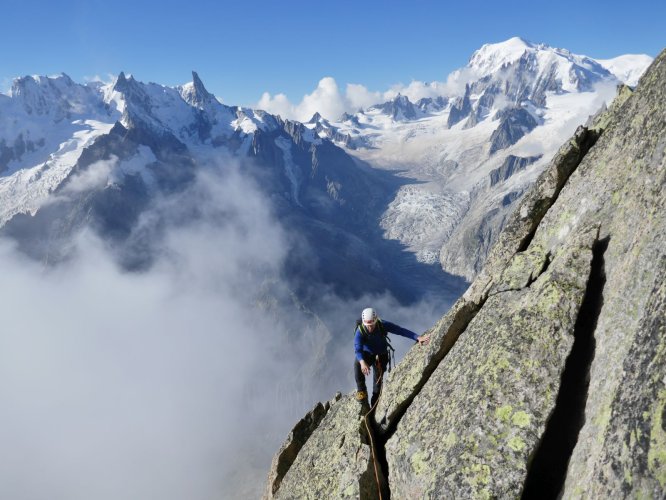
[323, 128]
[632, 458]
[461, 107]
[472, 428]
[284, 458]
[514, 124]
[431, 104]
[484, 104]
[336, 461]
[548, 377]
[624, 185]
[399, 108]
[511, 165]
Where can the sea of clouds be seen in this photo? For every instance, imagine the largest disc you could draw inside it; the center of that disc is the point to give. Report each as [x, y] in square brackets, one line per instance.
[177, 381]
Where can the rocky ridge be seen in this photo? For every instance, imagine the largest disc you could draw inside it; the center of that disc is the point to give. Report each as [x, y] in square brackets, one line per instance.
[548, 377]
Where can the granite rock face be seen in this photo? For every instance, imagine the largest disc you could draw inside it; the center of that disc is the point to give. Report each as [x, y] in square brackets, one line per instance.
[511, 165]
[298, 436]
[623, 185]
[633, 456]
[471, 429]
[514, 124]
[400, 108]
[460, 109]
[548, 377]
[410, 375]
[336, 461]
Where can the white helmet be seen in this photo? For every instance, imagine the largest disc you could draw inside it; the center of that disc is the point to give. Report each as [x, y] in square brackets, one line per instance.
[369, 316]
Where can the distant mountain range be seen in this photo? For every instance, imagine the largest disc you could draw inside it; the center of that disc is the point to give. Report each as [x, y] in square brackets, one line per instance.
[75, 156]
[477, 146]
[438, 176]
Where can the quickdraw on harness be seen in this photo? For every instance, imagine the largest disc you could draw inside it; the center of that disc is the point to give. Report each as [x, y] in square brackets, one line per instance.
[382, 331]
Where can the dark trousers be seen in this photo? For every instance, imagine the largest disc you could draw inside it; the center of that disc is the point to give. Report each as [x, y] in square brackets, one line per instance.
[377, 372]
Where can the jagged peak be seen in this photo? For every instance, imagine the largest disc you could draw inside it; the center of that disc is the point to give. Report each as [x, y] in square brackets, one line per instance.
[127, 85]
[195, 93]
[400, 107]
[200, 89]
[122, 77]
[123, 82]
[402, 99]
[197, 81]
[315, 118]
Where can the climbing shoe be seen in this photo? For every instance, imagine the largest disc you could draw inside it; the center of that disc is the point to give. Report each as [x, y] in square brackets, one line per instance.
[361, 396]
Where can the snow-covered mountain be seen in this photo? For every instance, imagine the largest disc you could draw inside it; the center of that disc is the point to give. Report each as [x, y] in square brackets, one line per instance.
[472, 152]
[627, 68]
[438, 175]
[97, 155]
[45, 123]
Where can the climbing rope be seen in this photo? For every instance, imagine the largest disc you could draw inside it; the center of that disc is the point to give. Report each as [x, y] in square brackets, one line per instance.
[365, 420]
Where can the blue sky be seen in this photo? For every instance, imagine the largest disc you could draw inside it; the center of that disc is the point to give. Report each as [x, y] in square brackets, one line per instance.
[242, 49]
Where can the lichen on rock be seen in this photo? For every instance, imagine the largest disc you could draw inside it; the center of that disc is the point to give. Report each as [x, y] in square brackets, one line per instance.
[337, 459]
[485, 394]
[298, 436]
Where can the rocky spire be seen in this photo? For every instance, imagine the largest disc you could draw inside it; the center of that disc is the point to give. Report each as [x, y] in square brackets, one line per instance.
[315, 118]
[197, 95]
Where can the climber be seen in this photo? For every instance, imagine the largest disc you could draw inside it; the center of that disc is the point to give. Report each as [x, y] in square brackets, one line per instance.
[371, 347]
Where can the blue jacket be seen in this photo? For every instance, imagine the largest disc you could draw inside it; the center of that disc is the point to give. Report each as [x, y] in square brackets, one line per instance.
[374, 343]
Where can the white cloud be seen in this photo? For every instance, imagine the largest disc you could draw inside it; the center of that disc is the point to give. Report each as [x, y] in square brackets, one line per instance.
[325, 99]
[5, 85]
[95, 176]
[330, 102]
[277, 105]
[177, 382]
[180, 381]
[109, 78]
[359, 97]
[456, 81]
[417, 90]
